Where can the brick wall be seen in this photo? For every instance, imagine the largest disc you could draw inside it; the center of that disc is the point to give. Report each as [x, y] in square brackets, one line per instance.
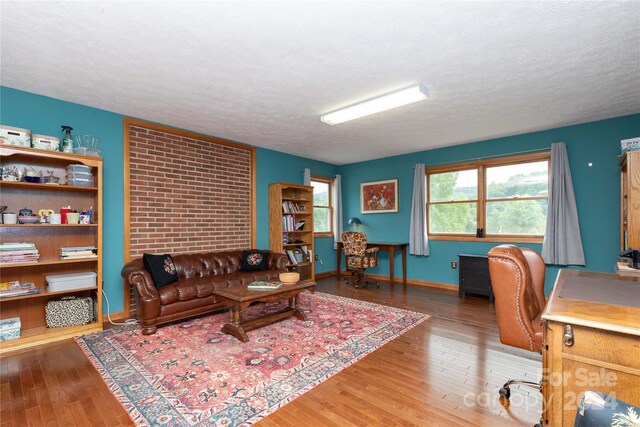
[187, 195]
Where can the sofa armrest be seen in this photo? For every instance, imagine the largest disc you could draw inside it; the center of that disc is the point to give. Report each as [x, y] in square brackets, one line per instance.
[278, 261]
[136, 275]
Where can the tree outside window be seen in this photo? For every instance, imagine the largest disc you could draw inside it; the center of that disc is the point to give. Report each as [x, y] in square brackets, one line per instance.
[322, 206]
[506, 199]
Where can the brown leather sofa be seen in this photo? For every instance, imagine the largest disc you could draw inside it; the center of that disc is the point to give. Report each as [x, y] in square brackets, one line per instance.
[192, 294]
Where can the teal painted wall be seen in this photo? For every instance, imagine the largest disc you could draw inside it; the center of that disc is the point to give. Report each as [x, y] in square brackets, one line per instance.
[44, 115]
[597, 187]
[597, 190]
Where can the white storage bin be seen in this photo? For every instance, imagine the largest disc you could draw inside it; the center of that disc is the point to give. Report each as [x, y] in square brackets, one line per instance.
[44, 142]
[15, 136]
[68, 282]
[10, 329]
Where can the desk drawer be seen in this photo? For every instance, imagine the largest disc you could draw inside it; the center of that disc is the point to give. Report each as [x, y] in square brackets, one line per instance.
[604, 346]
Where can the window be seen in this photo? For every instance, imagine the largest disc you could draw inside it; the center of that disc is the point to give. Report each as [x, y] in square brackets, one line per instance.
[322, 206]
[496, 200]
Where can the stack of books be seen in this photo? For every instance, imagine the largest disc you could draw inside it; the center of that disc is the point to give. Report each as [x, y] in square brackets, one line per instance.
[78, 252]
[14, 289]
[18, 253]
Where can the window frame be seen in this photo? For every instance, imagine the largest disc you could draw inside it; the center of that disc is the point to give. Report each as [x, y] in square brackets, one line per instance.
[329, 181]
[481, 221]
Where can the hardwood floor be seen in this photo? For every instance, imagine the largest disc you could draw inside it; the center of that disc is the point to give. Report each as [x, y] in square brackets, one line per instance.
[444, 372]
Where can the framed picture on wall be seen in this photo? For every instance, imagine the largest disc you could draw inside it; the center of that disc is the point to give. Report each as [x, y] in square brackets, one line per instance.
[379, 196]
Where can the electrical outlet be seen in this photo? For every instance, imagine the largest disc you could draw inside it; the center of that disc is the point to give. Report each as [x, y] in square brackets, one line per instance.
[454, 265]
[317, 258]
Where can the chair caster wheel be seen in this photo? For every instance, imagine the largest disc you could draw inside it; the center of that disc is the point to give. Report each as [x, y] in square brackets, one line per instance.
[505, 392]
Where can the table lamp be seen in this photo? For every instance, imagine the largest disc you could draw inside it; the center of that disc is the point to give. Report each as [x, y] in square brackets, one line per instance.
[355, 221]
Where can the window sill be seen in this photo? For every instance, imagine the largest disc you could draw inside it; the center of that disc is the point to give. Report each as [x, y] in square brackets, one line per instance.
[493, 239]
[323, 235]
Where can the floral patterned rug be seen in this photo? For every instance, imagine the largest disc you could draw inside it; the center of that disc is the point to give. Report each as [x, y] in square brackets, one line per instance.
[191, 374]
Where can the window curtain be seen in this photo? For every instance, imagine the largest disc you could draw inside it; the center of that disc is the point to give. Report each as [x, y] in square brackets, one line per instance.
[562, 244]
[337, 211]
[418, 238]
[306, 176]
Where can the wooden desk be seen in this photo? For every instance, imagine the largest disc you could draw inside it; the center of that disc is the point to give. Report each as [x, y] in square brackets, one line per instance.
[590, 345]
[383, 246]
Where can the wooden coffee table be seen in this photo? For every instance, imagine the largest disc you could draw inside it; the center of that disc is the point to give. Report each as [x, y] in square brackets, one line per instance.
[237, 298]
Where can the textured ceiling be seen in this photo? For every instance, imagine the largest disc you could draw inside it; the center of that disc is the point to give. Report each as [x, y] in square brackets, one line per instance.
[263, 72]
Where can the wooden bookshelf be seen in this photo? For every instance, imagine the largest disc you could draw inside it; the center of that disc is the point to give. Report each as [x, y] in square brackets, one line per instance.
[630, 200]
[48, 239]
[291, 204]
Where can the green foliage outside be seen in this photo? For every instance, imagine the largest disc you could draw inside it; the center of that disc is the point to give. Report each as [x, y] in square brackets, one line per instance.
[504, 217]
[321, 216]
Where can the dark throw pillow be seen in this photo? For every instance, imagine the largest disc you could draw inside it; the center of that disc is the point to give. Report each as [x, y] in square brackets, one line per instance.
[254, 260]
[161, 268]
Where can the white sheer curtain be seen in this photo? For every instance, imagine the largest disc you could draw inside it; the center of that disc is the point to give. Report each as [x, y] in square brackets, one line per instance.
[306, 176]
[418, 238]
[562, 244]
[337, 211]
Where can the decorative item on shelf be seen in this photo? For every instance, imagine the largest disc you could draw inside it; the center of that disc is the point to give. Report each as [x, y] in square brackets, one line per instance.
[355, 221]
[379, 196]
[50, 179]
[290, 278]
[63, 213]
[31, 175]
[67, 139]
[45, 215]
[9, 218]
[10, 329]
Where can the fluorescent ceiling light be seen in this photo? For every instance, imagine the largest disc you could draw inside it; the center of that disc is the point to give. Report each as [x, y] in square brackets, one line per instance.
[382, 103]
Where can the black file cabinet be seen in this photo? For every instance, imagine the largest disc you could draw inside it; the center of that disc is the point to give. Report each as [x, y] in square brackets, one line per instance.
[474, 276]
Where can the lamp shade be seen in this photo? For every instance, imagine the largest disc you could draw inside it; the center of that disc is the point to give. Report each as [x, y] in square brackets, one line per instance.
[354, 221]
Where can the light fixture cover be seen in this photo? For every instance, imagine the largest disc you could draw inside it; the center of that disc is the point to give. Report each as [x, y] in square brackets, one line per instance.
[381, 103]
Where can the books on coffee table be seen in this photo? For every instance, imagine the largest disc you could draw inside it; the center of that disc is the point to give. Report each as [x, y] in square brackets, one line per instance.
[259, 284]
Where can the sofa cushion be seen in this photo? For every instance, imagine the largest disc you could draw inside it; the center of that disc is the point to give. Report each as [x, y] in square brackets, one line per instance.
[162, 269]
[186, 289]
[254, 260]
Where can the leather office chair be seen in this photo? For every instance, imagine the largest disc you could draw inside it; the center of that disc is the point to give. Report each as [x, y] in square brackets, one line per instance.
[357, 256]
[517, 277]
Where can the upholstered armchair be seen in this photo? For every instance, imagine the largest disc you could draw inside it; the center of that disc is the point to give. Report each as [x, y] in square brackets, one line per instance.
[517, 277]
[358, 257]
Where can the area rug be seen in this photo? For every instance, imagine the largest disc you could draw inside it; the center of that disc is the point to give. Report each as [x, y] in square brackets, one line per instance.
[191, 374]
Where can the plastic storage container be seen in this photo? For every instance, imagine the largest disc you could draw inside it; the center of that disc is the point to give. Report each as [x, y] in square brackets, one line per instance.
[80, 182]
[69, 282]
[86, 151]
[79, 168]
[79, 175]
[15, 136]
[10, 329]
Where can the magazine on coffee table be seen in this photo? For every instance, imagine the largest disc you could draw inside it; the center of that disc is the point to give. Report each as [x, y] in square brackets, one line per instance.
[259, 284]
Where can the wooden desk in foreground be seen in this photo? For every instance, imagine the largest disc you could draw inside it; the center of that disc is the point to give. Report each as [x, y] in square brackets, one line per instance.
[383, 246]
[592, 341]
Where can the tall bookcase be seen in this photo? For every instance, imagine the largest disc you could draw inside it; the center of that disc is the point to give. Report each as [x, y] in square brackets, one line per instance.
[289, 206]
[48, 239]
[630, 200]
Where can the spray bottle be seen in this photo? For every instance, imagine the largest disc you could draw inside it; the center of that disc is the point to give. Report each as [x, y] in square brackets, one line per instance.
[67, 139]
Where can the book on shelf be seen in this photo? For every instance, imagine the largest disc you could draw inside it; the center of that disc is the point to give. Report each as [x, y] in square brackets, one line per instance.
[291, 256]
[21, 246]
[15, 288]
[260, 284]
[299, 225]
